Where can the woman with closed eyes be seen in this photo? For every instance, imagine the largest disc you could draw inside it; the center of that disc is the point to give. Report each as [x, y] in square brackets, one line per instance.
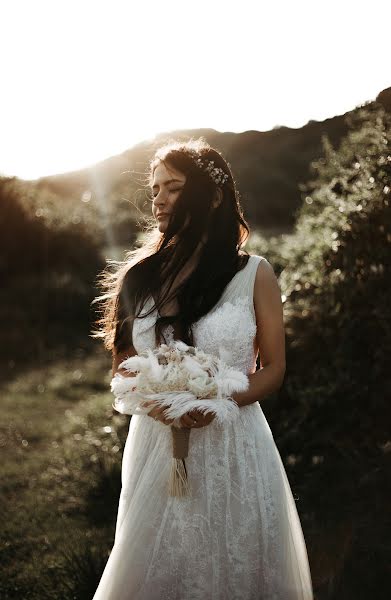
[238, 535]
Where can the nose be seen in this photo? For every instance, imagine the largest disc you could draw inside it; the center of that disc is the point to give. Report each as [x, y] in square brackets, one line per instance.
[159, 199]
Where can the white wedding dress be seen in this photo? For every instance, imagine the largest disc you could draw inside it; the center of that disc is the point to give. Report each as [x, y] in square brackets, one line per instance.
[238, 536]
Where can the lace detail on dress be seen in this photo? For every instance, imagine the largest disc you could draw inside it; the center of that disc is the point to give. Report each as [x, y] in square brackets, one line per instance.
[168, 332]
[233, 325]
[238, 536]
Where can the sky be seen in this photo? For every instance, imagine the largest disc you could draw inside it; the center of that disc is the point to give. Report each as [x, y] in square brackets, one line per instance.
[84, 80]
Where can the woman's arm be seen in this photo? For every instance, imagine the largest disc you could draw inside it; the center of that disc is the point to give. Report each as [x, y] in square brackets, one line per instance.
[270, 337]
[118, 357]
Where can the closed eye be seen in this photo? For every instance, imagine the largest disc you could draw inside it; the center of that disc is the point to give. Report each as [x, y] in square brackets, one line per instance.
[152, 195]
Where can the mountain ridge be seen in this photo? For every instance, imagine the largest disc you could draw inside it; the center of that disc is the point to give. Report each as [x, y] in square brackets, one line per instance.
[268, 166]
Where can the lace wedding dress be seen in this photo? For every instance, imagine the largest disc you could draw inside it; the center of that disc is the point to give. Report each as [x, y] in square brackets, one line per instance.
[238, 537]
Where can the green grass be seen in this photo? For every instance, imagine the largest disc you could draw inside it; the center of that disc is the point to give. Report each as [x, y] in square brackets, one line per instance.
[62, 446]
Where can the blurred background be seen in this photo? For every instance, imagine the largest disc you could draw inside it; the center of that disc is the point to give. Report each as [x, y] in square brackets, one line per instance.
[297, 97]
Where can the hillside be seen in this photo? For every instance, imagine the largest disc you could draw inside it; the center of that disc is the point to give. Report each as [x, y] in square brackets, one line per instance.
[57, 232]
[269, 166]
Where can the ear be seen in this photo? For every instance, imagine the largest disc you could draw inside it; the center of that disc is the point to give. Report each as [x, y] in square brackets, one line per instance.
[218, 198]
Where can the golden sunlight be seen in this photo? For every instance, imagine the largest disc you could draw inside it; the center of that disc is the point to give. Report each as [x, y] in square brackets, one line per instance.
[87, 80]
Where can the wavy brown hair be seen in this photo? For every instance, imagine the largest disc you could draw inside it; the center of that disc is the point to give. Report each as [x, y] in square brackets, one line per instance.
[139, 277]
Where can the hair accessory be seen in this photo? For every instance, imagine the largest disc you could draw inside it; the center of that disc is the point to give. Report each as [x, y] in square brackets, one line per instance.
[216, 173]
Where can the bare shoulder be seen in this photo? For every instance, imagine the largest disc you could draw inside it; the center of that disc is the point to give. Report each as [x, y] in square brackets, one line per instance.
[265, 275]
[268, 308]
[267, 292]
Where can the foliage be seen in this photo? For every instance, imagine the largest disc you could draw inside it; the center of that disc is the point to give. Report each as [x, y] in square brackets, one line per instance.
[334, 274]
[50, 254]
[338, 279]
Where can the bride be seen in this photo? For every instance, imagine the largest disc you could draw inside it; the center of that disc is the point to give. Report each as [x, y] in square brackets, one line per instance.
[238, 536]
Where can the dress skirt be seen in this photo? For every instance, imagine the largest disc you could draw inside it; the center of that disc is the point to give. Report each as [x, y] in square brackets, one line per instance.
[237, 537]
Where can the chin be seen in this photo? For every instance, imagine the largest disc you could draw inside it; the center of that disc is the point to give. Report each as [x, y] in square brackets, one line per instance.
[162, 227]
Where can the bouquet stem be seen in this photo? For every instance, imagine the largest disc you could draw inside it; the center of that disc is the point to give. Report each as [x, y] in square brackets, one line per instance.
[179, 484]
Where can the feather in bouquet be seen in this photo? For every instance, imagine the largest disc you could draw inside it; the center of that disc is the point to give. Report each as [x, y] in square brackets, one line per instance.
[181, 378]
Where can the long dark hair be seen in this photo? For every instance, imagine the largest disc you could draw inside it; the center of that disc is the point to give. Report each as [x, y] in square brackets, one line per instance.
[162, 255]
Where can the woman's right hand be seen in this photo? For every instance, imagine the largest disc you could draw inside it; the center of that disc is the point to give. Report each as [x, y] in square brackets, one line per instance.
[157, 412]
[119, 357]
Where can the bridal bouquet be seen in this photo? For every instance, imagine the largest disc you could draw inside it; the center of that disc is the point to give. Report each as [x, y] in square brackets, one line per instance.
[181, 378]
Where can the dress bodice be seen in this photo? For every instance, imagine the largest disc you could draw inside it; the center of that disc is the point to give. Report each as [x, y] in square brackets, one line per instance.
[228, 330]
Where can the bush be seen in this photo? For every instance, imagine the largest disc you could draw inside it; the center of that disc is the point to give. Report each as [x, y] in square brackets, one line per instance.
[49, 261]
[331, 422]
[338, 277]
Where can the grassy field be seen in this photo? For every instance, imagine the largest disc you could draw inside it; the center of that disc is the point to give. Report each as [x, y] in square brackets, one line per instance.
[62, 446]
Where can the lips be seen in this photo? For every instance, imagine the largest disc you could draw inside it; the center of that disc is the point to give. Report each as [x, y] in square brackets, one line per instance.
[162, 215]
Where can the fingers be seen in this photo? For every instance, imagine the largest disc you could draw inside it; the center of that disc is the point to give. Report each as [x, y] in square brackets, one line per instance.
[193, 419]
[202, 420]
[163, 418]
[157, 411]
[147, 403]
[187, 421]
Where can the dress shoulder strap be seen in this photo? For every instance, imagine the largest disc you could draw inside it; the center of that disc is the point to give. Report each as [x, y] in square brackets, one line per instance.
[242, 285]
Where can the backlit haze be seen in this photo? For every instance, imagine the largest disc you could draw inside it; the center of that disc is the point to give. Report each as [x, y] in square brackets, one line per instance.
[85, 80]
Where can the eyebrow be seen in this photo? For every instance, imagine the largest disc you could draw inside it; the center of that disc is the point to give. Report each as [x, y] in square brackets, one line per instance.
[168, 181]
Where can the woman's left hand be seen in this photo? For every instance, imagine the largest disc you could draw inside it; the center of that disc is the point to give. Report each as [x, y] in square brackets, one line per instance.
[195, 419]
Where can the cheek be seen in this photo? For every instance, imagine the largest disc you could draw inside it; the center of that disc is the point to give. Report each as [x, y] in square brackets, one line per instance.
[172, 200]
